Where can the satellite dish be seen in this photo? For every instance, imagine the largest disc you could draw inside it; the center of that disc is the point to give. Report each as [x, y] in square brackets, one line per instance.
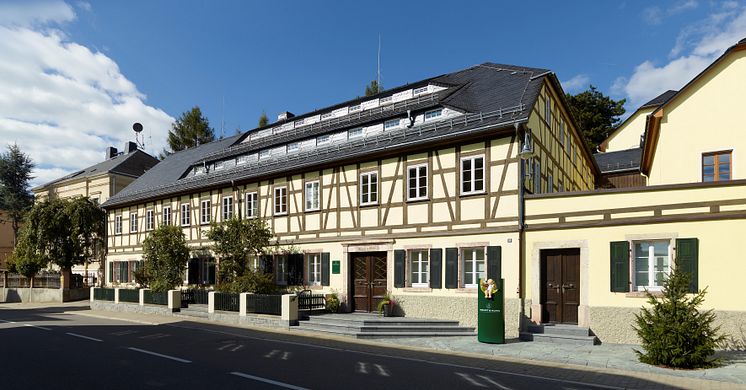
[137, 127]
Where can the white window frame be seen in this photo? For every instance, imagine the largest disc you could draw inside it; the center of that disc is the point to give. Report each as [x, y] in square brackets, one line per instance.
[186, 218]
[118, 224]
[355, 133]
[252, 204]
[433, 114]
[133, 223]
[219, 165]
[280, 199]
[420, 90]
[416, 168]
[650, 286]
[265, 153]
[313, 269]
[314, 195]
[293, 147]
[418, 267]
[323, 139]
[205, 213]
[472, 181]
[468, 254]
[281, 269]
[369, 189]
[149, 223]
[389, 124]
[167, 215]
[227, 208]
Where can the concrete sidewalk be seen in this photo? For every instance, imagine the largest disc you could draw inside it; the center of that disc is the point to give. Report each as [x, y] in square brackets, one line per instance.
[600, 358]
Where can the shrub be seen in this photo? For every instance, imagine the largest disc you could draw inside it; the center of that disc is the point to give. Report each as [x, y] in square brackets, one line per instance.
[674, 332]
[251, 281]
[332, 303]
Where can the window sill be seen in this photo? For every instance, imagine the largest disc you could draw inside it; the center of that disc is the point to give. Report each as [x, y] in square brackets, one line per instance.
[417, 289]
[315, 287]
[417, 200]
[643, 294]
[473, 193]
[467, 290]
[370, 204]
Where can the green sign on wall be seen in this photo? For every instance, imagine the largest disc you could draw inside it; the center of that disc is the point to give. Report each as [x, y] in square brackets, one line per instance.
[335, 267]
[491, 316]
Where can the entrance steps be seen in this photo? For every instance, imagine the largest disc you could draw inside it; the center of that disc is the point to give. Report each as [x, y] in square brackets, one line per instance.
[559, 334]
[194, 310]
[372, 326]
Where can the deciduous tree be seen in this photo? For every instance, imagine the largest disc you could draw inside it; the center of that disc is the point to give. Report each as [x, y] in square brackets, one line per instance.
[235, 241]
[596, 114]
[165, 255]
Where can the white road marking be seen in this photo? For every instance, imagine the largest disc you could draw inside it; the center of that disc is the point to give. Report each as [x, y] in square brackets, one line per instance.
[225, 346]
[159, 355]
[469, 379]
[273, 353]
[155, 336]
[85, 337]
[236, 348]
[124, 332]
[285, 355]
[381, 370]
[265, 380]
[383, 355]
[492, 381]
[37, 326]
[362, 368]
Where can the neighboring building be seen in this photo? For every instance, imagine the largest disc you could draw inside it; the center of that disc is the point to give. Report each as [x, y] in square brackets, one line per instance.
[629, 134]
[6, 241]
[99, 182]
[591, 255]
[414, 190]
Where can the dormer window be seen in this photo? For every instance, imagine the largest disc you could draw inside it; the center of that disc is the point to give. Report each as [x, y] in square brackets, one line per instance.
[355, 133]
[199, 170]
[264, 153]
[299, 122]
[219, 165]
[293, 147]
[420, 90]
[326, 115]
[433, 114]
[323, 139]
[390, 124]
[355, 108]
[385, 100]
[243, 159]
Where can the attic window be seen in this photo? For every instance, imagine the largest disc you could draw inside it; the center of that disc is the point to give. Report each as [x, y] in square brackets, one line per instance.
[219, 165]
[300, 122]
[420, 90]
[293, 147]
[199, 170]
[323, 139]
[243, 159]
[326, 115]
[356, 108]
[355, 133]
[385, 100]
[390, 124]
[264, 153]
[433, 114]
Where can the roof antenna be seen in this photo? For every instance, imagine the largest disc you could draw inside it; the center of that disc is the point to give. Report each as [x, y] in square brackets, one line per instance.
[222, 119]
[378, 71]
[139, 138]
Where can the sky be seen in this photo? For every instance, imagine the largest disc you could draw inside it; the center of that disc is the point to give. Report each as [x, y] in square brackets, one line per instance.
[75, 75]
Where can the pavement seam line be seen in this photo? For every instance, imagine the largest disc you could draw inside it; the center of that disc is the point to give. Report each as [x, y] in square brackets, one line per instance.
[265, 380]
[159, 355]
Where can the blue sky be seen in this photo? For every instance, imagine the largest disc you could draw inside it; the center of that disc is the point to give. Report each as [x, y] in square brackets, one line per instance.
[114, 63]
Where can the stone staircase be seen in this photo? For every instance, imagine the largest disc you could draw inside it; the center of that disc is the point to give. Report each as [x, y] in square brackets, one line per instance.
[559, 334]
[194, 311]
[372, 326]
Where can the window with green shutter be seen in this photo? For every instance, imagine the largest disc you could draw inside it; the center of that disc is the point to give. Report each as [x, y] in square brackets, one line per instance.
[619, 266]
[687, 258]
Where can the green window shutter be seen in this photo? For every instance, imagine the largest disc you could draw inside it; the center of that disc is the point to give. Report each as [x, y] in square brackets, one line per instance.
[620, 266]
[494, 263]
[399, 259]
[295, 269]
[687, 257]
[436, 267]
[325, 269]
[451, 267]
[111, 272]
[267, 263]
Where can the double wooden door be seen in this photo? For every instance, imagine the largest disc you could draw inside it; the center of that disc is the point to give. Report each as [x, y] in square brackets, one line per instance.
[560, 285]
[368, 280]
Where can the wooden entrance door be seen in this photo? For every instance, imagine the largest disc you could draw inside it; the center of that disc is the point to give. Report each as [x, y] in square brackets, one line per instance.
[560, 285]
[368, 280]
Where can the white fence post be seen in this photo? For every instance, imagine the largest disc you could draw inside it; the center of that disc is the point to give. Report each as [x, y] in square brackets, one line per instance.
[93, 292]
[289, 310]
[116, 294]
[142, 296]
[242, 304]
[211, 302]
[174, 300]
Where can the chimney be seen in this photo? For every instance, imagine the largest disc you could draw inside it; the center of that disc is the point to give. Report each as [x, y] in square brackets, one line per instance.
[285, 115]
[111, 152]
[130, 147]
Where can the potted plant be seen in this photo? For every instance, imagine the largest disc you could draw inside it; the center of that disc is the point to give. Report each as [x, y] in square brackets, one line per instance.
[386, 306]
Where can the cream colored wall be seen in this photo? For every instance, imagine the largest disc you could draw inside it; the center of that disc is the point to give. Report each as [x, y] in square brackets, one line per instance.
[627, 136]
[704, 118]
[100, 187]
[572, 168]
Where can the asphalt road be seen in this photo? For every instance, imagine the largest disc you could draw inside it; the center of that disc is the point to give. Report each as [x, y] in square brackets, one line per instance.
[51, 349]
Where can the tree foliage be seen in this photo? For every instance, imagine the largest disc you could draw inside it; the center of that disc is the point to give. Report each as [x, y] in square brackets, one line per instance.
[189, 130]
[373, 88]
[165, 255]
[263, 120]
[235, 242]
[64, 232]
[674, 332]
[596, 114]
[15, 197]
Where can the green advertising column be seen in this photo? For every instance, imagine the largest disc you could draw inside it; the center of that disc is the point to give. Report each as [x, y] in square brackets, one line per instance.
[491, 317]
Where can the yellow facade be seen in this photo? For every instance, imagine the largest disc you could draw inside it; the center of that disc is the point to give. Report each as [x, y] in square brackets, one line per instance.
[627, 135]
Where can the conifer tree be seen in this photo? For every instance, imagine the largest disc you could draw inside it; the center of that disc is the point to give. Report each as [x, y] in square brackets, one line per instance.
[263, 120]
[189, 130]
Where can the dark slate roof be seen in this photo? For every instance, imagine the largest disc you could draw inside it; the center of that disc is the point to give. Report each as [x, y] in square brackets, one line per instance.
[489, 94]
[131, 164]
[660, 99]
[623, 160]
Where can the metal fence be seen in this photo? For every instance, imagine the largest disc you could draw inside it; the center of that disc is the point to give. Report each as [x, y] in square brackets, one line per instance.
[128, 295]
[155, 297]
[197, 296]
[308, 301]
[103, 294]
[226, 302]
[264, 304]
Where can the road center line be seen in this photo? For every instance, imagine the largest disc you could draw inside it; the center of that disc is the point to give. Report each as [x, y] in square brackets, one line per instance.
[9, 322]
[85, 337]
[37, 326]
[159, 355]
[265, 380]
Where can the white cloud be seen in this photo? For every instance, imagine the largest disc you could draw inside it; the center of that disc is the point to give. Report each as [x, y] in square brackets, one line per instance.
[62, 103]
[697, 46]
[655, 15]
[27, 13]
[577, 83]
